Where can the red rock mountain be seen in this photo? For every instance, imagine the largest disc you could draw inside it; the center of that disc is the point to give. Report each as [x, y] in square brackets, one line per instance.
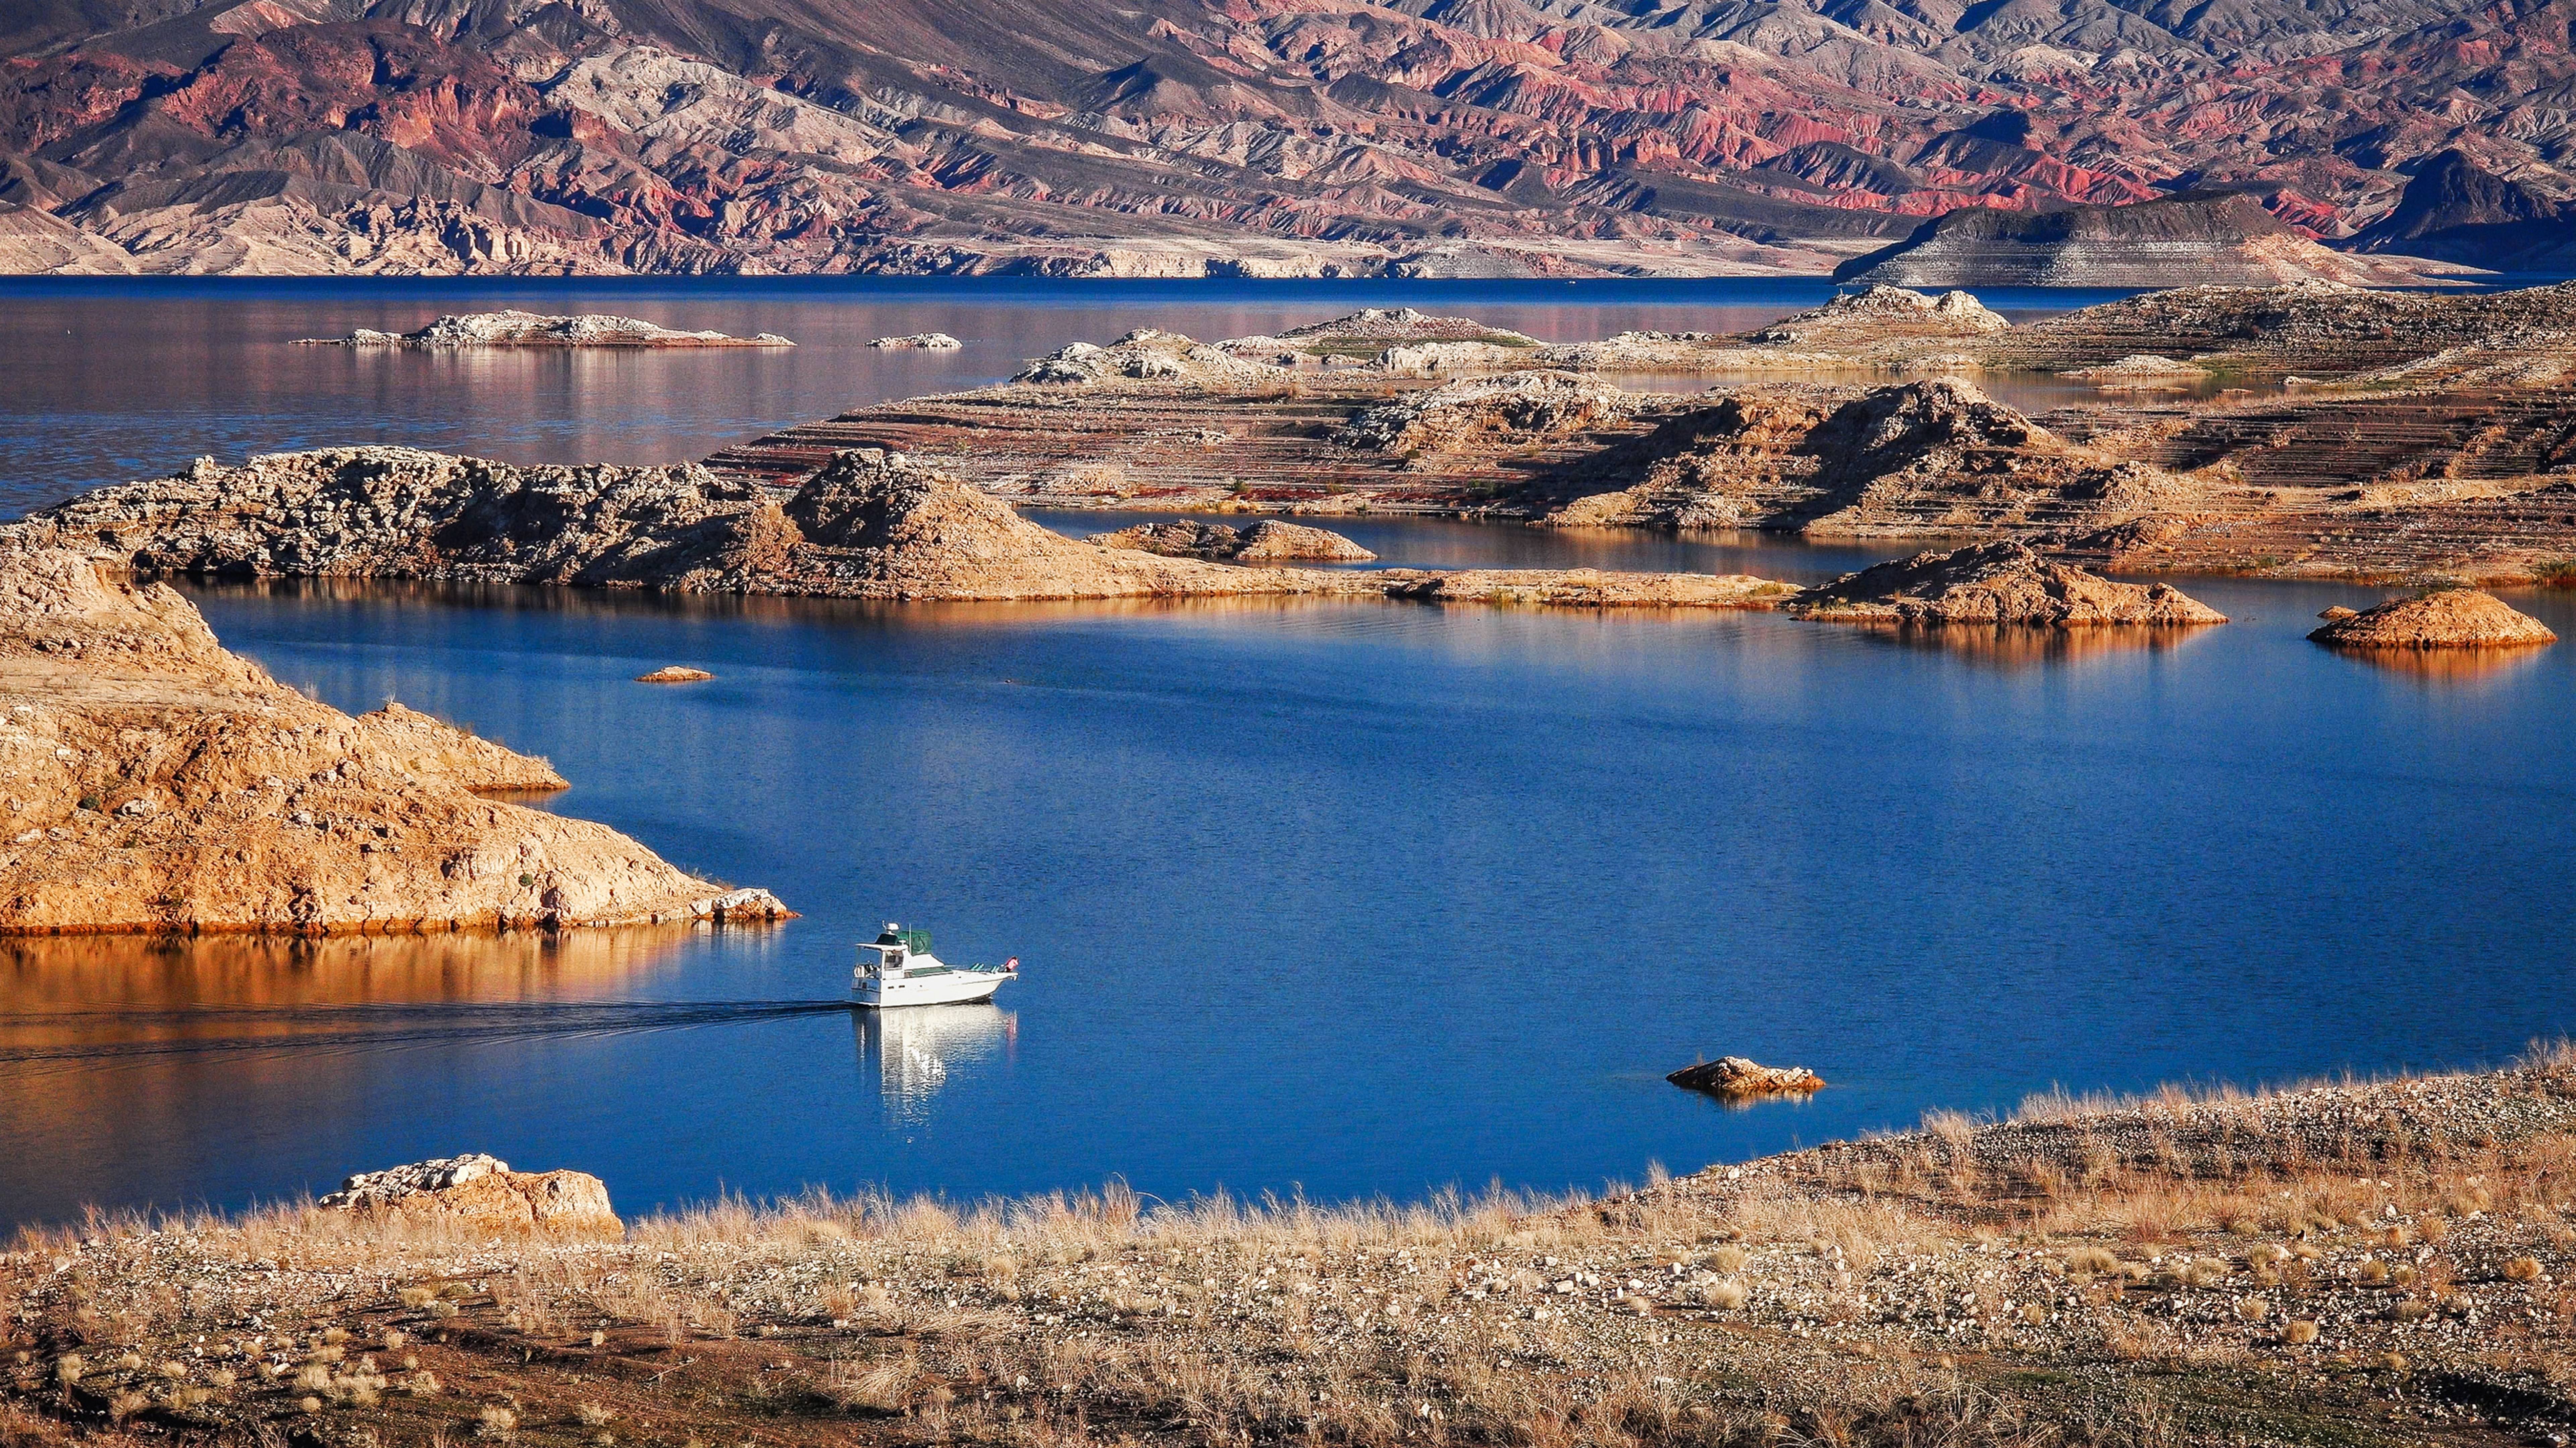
[1190, 137]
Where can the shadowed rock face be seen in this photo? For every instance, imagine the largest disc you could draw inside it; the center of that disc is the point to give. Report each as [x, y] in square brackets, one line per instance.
[2453, 211]
[1995, 583]
[2196, 237]
[2455, 618]
[159, 783]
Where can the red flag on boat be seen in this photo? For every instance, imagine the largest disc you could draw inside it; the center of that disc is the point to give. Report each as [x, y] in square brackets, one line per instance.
[1012, 965]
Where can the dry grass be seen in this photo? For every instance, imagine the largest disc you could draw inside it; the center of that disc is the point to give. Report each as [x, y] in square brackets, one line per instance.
[1827, 1298]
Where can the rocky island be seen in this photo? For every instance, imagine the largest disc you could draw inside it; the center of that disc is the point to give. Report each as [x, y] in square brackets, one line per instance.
[869, 524]
[152, 782]
[2449, 618]
[2307, 430]
[528, 329]
[2372, 1263]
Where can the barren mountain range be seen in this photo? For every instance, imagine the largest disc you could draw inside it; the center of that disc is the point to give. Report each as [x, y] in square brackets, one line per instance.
[1243, 137]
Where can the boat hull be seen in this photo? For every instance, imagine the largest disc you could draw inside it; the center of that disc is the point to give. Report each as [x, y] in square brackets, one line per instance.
[956, 987]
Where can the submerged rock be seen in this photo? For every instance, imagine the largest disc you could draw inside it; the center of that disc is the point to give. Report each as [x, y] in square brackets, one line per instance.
[480, 1194]
[1737, 1076]
[1268, 541]
[1995, 583]
[2454, 618]
[529, 329]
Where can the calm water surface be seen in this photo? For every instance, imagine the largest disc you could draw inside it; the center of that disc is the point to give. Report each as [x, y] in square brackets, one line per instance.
[1341, 898]
[1351, 899]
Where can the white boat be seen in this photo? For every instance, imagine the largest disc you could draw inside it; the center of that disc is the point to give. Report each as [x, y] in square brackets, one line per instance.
[903, 972]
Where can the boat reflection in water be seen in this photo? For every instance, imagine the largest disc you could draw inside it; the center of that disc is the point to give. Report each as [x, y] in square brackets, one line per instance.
[916, 1047]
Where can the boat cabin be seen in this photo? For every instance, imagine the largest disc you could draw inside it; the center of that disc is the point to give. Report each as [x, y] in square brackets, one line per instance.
[896, 947]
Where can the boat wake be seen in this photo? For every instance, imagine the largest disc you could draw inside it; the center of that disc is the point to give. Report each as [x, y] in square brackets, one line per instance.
[33, 1042]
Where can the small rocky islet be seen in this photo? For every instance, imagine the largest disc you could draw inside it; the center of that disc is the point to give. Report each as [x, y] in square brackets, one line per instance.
[534, 330]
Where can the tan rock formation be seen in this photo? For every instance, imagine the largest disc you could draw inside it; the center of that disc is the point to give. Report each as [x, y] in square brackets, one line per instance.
[917, 342]
[479, 1195]
[673, 674]
[1930, 457]
[151, 781]
[1738, 1076]
[427, 745]
[1484, 413]
[1586, 588]
[869, 524]
[2453, 618]
[1268, 541]
[1995, 583]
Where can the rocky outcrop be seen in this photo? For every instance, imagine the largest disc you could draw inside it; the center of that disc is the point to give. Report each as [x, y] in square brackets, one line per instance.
[2451, 618]
[2139, 372]
[1995, 583]
[869, 524]
[1144, 356]
[478, 1195]
[1586, 588]
[1738, 1076]
[1485, 413]
[674, 674]
[917, 342]
[431, 746]
[1268, 541]
[156, 783]
[1909, 459]
[1877, 314]
[528, 329]
[2222, 237]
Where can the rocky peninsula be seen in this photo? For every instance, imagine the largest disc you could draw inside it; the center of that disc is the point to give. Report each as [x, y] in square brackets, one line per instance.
[152, 782]
[2305, 430]
[2374, 1263]
[529, 329]
[869, 524]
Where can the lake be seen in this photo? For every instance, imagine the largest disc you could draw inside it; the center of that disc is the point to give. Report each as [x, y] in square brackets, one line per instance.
[106, 380]
[1348, 899]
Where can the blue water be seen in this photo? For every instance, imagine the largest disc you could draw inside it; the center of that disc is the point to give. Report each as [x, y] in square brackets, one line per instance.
[1353, 899]
[1348, 899]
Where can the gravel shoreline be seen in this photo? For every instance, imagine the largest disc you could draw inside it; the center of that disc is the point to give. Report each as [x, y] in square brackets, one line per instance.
[2354, 1263]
